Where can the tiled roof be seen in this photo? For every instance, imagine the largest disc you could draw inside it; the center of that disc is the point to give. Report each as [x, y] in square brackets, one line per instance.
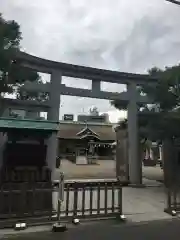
[69, 130]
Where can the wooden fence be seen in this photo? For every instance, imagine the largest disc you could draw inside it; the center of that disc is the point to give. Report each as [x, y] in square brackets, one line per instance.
[36, 203]
[92, 199]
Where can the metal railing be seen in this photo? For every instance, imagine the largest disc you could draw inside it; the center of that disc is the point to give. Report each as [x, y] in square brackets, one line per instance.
[43, 203]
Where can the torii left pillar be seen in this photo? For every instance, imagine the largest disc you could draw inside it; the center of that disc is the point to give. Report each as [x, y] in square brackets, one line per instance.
[53, 115]
[135, 165]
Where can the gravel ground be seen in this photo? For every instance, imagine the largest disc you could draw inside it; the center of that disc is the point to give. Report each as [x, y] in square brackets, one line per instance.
[103, 169]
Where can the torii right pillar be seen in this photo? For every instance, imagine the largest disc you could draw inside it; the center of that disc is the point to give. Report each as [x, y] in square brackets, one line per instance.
[135, 165]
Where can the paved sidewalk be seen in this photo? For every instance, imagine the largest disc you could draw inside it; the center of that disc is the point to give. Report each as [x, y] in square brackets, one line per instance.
[145, 204]
[156, 230]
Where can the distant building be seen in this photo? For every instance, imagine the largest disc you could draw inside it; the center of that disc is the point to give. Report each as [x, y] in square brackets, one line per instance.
[94, 117]
[80, 138]
[91, 135]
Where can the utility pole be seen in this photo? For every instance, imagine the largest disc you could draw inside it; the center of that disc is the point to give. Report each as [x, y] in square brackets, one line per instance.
[177, 2]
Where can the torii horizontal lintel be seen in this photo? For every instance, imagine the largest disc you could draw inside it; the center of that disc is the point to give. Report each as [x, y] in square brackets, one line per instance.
[83, 72]
[87, 93]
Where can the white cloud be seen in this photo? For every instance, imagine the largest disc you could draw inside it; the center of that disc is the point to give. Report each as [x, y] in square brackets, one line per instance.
[125, 35]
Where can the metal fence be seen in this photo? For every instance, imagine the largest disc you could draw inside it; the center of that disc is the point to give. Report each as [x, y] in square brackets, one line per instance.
[36, 204]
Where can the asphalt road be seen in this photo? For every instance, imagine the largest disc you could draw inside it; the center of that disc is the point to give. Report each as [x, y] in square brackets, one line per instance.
[166, 229]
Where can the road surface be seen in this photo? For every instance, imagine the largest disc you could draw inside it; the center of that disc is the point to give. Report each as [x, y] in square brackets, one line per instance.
[156, 230]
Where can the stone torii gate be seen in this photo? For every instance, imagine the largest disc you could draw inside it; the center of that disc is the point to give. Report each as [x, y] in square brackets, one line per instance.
[55, 88]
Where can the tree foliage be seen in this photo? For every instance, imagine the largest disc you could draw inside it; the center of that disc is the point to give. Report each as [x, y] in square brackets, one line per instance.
[166, 93]
[12, 74]
[166, 96]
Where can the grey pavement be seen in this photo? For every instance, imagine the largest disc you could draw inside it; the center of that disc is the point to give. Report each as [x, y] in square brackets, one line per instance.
[145, 204]
[107, 230]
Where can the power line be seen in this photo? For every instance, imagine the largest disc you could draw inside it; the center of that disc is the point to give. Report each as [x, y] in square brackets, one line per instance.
[174, 1]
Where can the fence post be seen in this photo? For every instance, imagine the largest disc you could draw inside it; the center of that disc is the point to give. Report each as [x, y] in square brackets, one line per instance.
[60, 196]
[75, 219]
[58, 227]
[168, 199]
[24, 189]
[61, 187]
[119, 200]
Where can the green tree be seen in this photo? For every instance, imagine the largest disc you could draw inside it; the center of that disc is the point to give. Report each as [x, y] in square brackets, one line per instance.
[12, 75]
[166, 95]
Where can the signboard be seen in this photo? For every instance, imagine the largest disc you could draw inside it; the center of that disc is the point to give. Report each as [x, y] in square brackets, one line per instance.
[68, 117]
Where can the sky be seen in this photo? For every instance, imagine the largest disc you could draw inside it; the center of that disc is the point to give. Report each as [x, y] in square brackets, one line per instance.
[123, 35]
